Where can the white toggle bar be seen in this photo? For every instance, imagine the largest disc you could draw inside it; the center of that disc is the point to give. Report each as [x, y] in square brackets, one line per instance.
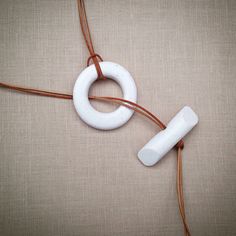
[166, 139]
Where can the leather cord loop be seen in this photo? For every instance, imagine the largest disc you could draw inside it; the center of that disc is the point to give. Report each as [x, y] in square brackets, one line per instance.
[92, 56]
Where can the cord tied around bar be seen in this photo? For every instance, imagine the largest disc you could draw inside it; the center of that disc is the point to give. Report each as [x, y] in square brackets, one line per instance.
[180, 144]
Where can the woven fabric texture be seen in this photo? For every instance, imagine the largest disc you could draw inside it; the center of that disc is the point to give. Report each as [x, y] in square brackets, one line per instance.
[60, 177]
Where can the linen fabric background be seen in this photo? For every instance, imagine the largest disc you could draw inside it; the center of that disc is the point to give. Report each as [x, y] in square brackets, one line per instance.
[60, 177]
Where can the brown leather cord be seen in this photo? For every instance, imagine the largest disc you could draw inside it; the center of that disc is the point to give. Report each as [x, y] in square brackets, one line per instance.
[137, 108]
[88, 39]
[131, 105]
[179, 184]
[36, 91]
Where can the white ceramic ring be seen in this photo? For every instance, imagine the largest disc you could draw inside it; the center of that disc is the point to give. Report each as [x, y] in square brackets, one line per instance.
[94, 118]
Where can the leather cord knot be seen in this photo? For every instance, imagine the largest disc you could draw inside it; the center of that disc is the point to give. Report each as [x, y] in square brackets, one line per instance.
[180, 144]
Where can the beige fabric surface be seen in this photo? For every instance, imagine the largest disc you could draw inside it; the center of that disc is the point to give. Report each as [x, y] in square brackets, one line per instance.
[60, 177]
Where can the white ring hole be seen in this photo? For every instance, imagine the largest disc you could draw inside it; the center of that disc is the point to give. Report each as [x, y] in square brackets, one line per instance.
[104, 88]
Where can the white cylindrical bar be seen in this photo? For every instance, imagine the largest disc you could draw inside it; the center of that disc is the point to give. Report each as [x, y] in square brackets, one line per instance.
[166, 139]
